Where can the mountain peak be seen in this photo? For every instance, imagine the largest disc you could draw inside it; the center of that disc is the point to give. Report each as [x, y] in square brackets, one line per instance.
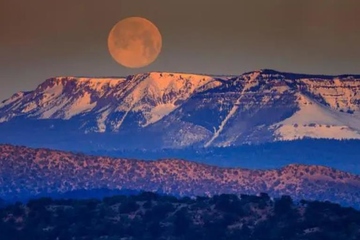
[263, 71]
[66, 79]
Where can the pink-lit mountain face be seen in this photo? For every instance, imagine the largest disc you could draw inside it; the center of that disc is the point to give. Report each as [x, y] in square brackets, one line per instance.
[26, 172]
[176, 110]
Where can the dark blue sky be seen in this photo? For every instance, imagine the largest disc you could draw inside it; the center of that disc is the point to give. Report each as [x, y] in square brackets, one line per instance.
[40, 39]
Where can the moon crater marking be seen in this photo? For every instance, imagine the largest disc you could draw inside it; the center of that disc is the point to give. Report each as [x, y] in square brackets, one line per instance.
[134, 42]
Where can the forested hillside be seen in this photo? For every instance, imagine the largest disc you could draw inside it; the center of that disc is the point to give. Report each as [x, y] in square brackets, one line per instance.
[152, 216]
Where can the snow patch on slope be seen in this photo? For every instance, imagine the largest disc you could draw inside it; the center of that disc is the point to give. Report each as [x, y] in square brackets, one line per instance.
[159, 112]
[51, 93]
[317, 121]
[50, 112]
[3, 119]
[29, 107]
[80, 105]
[101, 119]
[12, 99]
[289, 132]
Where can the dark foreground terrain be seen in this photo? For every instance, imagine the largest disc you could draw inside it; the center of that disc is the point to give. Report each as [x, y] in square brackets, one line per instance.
[152, 216]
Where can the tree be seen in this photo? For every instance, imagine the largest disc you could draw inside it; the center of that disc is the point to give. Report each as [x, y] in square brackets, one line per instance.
[181, 222]
[283, 205]
[128, 206]
[155, 229]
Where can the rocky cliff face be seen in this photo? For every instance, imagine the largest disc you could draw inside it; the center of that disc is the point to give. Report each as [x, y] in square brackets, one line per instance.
[26, 172]
[177, 110]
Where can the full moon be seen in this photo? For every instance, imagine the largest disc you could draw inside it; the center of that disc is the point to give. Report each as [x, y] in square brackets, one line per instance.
[134, 42]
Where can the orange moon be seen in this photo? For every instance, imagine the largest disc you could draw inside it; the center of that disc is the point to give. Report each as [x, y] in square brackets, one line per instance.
[134, 42]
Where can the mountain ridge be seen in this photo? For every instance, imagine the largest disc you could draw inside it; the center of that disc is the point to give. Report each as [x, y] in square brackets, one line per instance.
[181, 109]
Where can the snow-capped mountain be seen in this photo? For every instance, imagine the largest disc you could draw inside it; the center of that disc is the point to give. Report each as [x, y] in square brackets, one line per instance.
[153, 95]
[174, 110]
[26, 172]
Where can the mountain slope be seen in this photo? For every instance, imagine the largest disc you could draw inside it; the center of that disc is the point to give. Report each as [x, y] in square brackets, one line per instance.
[27, 172]
[318, 121]
[175, 110]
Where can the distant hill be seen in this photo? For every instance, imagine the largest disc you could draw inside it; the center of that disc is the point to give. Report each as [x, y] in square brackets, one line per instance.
[151, 216]
[27, 172]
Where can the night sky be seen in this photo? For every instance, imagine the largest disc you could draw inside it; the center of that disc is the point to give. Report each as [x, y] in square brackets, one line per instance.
[45, 38]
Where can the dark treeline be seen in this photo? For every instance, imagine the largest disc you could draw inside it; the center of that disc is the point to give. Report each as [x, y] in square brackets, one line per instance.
[153, 216]
[75, 194]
